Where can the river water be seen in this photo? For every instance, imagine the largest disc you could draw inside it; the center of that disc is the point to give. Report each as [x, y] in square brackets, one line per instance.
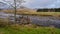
[38, 20]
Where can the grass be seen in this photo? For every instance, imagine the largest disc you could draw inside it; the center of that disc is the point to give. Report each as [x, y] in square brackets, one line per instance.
[27, 30]
[49, 13]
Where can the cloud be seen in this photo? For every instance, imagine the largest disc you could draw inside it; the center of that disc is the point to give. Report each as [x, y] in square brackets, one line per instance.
[40, 3]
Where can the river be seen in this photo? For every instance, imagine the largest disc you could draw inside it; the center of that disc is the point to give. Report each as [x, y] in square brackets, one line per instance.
[38, 20]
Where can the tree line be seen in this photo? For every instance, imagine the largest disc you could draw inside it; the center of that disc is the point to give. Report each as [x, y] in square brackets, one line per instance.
[49, 10]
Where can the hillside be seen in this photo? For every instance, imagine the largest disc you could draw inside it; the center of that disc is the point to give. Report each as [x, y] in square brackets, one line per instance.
[21, 11]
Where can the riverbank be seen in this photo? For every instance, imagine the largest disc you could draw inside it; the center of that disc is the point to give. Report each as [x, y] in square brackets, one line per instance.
[28, 30]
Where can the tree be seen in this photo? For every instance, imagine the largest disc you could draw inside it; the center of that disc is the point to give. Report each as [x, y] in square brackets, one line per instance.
[15, 4]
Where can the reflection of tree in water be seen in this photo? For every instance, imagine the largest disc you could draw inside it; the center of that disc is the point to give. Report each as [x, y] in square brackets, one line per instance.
[23, 20]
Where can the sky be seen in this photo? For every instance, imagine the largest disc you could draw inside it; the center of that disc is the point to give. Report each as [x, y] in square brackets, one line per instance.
[39, 3]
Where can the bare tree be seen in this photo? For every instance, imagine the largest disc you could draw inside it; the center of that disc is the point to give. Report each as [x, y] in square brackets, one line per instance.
[14, 4]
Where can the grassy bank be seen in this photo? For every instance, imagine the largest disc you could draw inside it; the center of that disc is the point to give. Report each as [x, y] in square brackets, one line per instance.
[29, 30]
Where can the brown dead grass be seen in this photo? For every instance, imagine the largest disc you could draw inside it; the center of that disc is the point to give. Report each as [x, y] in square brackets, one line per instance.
[32, 12]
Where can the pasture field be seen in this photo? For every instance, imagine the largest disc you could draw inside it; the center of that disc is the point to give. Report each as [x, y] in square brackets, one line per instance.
[32, 12]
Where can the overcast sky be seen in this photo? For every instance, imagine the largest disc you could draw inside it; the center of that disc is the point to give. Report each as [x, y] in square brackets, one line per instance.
[41, 3]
